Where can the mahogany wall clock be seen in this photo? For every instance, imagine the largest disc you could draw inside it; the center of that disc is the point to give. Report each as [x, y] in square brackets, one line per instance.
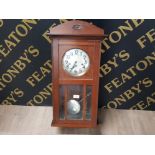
[75, 73]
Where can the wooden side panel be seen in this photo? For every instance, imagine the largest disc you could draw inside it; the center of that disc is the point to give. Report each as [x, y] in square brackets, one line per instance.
[96, 80]
[55, 81]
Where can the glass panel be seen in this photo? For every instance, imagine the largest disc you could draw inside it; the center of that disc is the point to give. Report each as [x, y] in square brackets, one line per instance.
[71, 102]
[74, 102]
[88, 102]
[62, 101]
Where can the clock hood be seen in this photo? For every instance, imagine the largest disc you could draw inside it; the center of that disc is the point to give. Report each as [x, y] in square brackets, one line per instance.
[77, 28]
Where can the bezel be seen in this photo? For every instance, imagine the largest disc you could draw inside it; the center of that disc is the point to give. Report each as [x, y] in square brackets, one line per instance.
[79, 74]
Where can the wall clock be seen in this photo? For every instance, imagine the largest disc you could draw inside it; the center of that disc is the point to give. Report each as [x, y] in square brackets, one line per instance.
[75, 73]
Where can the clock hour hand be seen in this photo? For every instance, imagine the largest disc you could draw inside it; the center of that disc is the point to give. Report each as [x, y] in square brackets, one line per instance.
[75, 65]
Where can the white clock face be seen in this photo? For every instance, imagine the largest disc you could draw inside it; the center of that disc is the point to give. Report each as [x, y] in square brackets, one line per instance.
[76, 62]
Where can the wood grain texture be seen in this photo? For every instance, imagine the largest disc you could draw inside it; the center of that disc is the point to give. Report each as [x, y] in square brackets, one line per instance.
[37, 120]
[82, 35]
[76, 28]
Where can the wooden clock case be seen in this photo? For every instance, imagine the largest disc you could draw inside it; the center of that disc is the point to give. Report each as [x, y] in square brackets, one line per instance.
[85, 36]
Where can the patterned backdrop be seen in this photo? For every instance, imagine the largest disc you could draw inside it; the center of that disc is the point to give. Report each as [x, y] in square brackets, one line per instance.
[127, 70]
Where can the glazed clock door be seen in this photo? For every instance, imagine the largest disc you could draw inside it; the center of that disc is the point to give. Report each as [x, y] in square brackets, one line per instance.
[76, 60]
[75, 102]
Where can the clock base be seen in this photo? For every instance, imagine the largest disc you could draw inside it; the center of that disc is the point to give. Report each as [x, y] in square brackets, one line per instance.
[74, 124]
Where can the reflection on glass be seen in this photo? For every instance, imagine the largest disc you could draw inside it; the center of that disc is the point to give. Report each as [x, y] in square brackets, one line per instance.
[74, 102]
[71, 100]
[88, 102]
[73, 107]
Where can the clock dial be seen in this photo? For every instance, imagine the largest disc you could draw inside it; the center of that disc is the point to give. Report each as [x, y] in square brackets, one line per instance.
[76, 62]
